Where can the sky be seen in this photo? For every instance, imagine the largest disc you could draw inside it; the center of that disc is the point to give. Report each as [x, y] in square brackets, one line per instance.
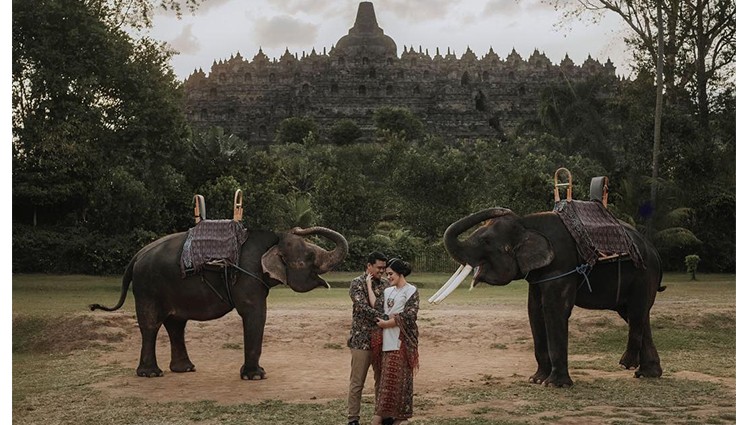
[222, 28]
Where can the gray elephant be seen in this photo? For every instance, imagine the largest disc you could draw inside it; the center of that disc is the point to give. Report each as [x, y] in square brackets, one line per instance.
[539, 248]
[164, 297]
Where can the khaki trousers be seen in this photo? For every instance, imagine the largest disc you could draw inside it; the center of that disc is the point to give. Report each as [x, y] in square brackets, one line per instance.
[361, 361]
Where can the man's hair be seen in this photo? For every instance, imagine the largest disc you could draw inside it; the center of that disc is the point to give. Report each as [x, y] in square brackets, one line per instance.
[375, 256]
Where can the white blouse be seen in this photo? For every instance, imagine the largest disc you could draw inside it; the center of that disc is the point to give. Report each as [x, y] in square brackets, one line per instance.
[394, 300]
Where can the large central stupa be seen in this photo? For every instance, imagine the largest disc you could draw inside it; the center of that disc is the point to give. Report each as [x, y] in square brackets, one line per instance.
[466, 97]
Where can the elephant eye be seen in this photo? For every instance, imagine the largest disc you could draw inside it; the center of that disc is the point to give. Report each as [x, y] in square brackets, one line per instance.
[507, 248]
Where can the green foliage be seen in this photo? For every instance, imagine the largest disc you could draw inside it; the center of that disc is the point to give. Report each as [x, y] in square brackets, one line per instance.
[295, 130]
[102, 156]
[399, 121]
[219, 197]
[74, 249]
[344, 132]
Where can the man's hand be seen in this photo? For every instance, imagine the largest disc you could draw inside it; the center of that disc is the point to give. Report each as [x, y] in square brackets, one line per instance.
[383, 324]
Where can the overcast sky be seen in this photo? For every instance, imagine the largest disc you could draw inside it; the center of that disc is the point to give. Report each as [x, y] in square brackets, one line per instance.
[221, 28]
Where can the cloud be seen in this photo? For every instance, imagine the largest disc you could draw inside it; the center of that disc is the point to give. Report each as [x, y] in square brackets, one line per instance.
[283, 31]
[412, 11]
[186, 43]
[310, 7]
[502, 8]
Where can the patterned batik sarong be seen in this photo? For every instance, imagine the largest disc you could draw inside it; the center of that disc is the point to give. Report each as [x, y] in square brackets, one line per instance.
[396, 395]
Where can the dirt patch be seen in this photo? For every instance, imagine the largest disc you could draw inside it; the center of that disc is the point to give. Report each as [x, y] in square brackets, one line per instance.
[306, 359]
[67, 334]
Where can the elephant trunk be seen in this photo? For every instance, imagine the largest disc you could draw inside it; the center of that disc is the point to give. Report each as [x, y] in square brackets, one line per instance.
[457, 249]
[326, 260]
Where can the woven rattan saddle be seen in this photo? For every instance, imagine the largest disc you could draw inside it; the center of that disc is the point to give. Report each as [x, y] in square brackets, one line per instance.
[599, 236]
[213, 242]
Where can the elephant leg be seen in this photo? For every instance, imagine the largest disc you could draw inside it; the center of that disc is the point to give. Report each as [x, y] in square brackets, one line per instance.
[180, 361]
[539, 334]
[630, 358]
[147, 366]
[558, 299]
[254, 323]
[650, 364]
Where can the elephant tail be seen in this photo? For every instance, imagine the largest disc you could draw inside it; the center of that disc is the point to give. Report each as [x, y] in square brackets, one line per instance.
[126, 279]
[661, 287]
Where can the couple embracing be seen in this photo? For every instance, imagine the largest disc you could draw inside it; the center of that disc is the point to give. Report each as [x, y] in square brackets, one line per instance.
[384, 333]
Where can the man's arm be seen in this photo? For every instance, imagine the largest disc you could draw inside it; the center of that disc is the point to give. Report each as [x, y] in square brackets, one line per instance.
[358, 294]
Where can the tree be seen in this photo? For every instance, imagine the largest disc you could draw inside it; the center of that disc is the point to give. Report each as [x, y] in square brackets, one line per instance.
[399, 121]
[699, 43]
[214, 153]
[87, 97]
[344, 132]
[295, 130]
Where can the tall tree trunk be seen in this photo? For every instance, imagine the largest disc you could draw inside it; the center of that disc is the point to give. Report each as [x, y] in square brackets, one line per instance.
[701, 76]
[670, 51]
[658, 108]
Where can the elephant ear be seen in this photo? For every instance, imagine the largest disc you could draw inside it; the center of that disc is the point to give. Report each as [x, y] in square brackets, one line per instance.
[533, 252]
[273, 264]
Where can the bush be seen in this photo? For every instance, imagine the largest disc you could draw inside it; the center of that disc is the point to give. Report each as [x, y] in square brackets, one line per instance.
[74, 249]
[344, 132]
[691, 262]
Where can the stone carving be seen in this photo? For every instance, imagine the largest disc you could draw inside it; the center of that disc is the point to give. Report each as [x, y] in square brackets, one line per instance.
[456, 98]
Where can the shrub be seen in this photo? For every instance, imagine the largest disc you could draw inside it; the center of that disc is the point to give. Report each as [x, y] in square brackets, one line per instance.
[691, 262]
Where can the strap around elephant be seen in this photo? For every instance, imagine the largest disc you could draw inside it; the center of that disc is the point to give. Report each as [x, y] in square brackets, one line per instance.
[584, 269]
[253, 275]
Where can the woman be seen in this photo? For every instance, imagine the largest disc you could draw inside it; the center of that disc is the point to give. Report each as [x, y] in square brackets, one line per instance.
[395, 347]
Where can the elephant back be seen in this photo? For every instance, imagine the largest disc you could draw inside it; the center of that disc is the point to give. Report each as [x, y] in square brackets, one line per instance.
[596, 231]
[212, 241]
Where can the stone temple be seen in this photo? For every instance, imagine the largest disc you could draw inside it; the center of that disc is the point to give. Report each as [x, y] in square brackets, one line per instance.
[466, 97]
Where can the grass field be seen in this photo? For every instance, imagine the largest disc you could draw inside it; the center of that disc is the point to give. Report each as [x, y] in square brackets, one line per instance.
[56, 345]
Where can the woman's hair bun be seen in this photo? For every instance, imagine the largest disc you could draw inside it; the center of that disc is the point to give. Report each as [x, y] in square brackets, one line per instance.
[399, 266]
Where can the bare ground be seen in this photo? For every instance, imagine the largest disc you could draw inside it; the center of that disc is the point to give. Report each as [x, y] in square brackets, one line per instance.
[307, 361]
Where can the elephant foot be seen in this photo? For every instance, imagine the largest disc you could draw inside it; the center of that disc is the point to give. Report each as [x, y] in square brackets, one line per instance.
[558, 380]
[648, 371]
[252, 374]
[629, 361]
[149, 372]
[539, 377]
[182, 366]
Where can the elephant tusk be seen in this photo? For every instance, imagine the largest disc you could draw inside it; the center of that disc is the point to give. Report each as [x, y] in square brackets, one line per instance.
[460, 278]
[474, 281]
[447, 283]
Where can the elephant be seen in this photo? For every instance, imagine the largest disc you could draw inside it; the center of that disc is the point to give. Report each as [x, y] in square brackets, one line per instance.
[266, 259]
[539, 248]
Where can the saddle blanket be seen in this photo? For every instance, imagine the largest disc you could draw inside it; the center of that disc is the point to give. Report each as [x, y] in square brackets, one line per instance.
[596, 231]
[212, 240]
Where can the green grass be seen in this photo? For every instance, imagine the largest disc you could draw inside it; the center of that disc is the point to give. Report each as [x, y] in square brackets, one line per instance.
[694, 326]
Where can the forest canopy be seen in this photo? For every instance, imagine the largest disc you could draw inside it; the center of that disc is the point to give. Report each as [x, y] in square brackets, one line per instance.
[104, 160]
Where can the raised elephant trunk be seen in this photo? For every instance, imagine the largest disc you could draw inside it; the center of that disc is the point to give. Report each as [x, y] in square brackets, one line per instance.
[458, 249]
[326, 260]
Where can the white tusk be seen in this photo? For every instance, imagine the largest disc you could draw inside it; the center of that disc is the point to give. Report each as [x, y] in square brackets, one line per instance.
[460, 278]
[474, 281]
[447, 283]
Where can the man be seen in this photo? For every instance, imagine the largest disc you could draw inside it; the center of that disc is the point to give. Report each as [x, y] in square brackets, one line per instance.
[363, 323]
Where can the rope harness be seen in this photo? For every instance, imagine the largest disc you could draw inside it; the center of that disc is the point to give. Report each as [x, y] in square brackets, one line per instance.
[584, 269]
[229, 282]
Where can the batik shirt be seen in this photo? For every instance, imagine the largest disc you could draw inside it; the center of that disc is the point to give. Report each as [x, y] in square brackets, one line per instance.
[363, 316]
